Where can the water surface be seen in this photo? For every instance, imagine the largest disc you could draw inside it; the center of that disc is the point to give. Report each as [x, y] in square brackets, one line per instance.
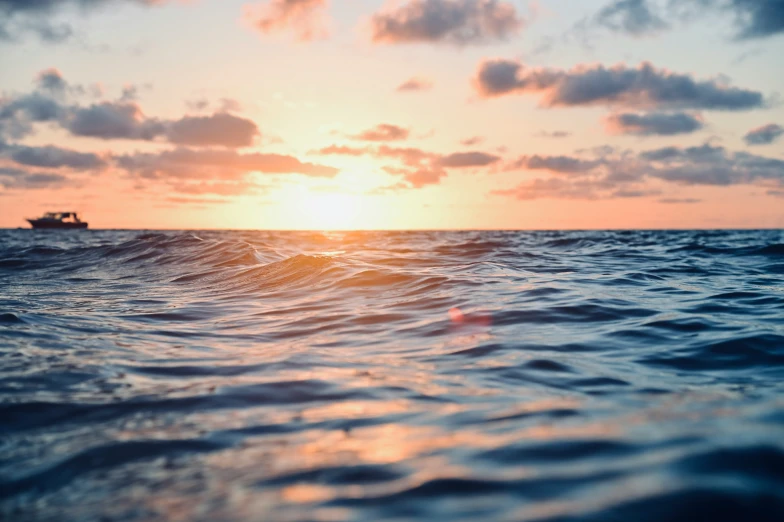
[545, 376]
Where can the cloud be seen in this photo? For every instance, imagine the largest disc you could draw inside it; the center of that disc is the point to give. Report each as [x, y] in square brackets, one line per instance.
[17, 115]
[125, 120]
[342, 150]
[635, 193]
[112, 120]
[196, 201]
[634, 17]
[701, 154]
[758, 18]
[219, 188]
[554, 134]
[408, 155]
[53, 101]
[415, 85]
[307, 19]
[712, 165]
[679, 201]
[18, 17]
[764, 135]
[626, 174]
[417, 167]
[461, 160]
[473, 140]
[556, 188]
[418, 177]
[383, 132]
[456, 22]
[220, 129]
[54, 157]
[555, 164]
[51, 80]
[21, 179]
[620, 86]
[216, 164]
[653, 124]
[754, 19]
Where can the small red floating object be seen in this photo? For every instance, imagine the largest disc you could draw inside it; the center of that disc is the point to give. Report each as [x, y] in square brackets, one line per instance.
[456, 315]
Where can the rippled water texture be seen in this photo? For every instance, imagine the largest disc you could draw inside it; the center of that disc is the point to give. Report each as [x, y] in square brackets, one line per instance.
[559, 376]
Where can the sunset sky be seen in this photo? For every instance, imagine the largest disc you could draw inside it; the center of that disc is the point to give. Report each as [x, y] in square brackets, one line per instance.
[408, 114]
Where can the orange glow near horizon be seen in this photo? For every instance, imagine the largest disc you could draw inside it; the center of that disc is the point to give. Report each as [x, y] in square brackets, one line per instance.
[328, 210]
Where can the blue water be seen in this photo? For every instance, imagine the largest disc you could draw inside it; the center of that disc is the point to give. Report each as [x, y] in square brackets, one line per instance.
[547, 376]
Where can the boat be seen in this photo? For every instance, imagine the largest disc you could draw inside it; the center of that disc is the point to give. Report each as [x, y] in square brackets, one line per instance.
[58, 220]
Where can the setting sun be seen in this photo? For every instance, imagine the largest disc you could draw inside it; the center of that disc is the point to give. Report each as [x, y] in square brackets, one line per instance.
[329, 210]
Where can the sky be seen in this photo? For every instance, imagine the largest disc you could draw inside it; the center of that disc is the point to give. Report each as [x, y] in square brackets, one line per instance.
[405, 114]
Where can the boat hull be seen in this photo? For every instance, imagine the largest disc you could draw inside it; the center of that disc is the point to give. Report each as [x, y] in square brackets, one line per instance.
[36, 223]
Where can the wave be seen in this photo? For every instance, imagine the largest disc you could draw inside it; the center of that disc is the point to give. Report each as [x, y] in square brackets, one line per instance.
[245, 375]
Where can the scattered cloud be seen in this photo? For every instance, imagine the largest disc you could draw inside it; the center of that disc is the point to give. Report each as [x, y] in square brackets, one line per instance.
[53, 157]
[55, 101]
[555, 164]
[217, 188]
[473, 140]
[753, 19]
[383, 132]
[220, 129]
[764, 135]
[18, 115]
[216, 164]
[198, 105]
[679, 201]
[415, 85]
[39, 17]
[112, 120]
[555, 188]
[633, 17]
[342, 150]
[643, 87]
[125, 120]
[417, 167]
[758, 18]
[417, 177]
[614, 174]
[307, 19]
[553, 134]
[653, 124]
[51, 80]
[455, 22]
[408, 155]
[197, 201]
[22, 179]
[460, 160]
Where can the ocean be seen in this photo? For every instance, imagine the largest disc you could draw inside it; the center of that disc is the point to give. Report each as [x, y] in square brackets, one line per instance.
[520, 376]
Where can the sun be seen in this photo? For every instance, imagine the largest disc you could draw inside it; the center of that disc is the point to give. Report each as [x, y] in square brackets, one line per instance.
[330, 210]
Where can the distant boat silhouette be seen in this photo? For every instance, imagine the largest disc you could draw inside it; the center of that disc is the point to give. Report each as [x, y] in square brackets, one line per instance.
[58, 220]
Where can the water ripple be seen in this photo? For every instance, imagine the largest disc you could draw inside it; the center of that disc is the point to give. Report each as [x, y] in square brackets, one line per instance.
[543, 376]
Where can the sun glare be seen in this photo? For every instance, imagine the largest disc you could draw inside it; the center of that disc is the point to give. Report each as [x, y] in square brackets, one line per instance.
[330, 210]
